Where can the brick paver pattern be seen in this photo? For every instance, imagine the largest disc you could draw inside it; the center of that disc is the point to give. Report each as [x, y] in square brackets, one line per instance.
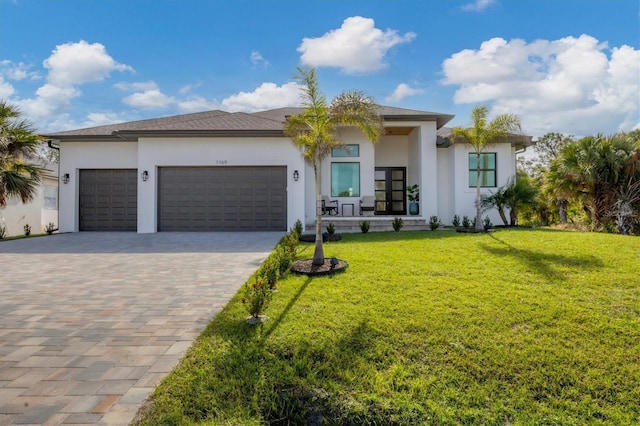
[91, 322]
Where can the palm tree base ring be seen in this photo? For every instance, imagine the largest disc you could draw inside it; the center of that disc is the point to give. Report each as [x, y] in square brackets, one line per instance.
[329, 267]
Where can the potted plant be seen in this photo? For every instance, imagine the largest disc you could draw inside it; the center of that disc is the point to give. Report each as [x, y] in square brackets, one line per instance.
[413, 193]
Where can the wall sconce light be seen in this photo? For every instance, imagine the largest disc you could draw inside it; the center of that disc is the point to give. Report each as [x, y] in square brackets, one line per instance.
[296, 175]
[145, 176]
[65, 178]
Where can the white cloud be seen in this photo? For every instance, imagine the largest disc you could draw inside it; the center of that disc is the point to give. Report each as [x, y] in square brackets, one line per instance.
[18, 71]
[257, 59]
[356, 47]
[142, 85]
[571, 85]
[189, 88]
[6, 89]
[73, 64]
[402, 91]
[149, 99]
[197, 104]
[477, 5]
[69, 66]
[266, 96]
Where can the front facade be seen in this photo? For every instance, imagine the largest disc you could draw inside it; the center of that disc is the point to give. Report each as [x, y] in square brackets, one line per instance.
[219, 171]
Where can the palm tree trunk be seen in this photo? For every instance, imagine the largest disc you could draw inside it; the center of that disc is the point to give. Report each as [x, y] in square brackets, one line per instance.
[479, 226]
[318, 254]
[502, 216]
[562, 210]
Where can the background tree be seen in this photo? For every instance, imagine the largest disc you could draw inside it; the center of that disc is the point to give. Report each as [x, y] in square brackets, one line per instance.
[18, 145]
[316, 131]
[599, 171]
[481, 135]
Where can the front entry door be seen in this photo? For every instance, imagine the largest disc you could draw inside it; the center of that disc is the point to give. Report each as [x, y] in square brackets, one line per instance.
[390, 188]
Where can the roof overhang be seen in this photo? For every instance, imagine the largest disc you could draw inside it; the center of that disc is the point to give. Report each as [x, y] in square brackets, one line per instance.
[440, 119]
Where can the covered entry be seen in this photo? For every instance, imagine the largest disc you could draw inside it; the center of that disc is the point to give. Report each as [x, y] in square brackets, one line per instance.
[222, 198]
[108, 200]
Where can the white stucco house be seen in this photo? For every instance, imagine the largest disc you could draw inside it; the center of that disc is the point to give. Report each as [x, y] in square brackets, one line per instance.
[221, 171]
[37, 213]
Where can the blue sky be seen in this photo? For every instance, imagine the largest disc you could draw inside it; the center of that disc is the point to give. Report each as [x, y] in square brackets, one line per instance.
[570, 66]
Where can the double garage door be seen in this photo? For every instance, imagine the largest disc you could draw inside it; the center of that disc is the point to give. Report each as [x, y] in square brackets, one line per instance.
[189, 199]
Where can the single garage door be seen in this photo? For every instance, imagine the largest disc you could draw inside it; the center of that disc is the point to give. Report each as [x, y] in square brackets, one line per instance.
[108, 200]
[222, 199]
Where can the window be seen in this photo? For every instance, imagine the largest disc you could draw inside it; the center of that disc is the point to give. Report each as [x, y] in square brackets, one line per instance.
[50, 198]
[487, 169]
[346, 151]
[345, 179]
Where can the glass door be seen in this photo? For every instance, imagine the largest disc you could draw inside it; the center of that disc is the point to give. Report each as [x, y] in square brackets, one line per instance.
[390, 190]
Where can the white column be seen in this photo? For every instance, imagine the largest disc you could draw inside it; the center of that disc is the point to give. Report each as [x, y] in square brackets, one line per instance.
[428, 171]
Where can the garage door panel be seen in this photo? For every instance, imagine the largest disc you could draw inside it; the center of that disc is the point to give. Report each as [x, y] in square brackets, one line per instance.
[222, 198]
[108, 200]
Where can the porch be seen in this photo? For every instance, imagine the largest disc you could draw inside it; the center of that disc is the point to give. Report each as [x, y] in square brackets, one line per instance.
[344, 224]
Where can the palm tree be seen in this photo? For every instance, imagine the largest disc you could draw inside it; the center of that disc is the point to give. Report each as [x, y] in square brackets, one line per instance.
[18, 144]
[481, 135]
[316, 131]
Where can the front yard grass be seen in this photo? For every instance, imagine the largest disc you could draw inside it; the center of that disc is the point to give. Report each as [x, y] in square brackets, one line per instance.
[513, 327]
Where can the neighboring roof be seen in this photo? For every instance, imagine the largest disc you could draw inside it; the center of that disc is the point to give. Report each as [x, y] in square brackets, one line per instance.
[221, 123]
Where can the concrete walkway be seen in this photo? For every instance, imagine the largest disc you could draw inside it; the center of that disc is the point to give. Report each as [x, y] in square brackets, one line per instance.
[91, 322]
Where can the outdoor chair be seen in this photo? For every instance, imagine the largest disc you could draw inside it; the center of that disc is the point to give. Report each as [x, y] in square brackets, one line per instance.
[367, 204]
[329, 206]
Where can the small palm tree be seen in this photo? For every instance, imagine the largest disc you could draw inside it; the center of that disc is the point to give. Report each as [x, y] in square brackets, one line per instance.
[484, 134]
[316, 131]
[18, 144]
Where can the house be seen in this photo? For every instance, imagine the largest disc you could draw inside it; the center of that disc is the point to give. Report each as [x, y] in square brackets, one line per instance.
[221, 171]
[39, 212]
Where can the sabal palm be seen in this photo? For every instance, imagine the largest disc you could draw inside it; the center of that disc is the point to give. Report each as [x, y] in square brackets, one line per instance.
[18, 144]
[594, 169]
[316, 131]
[481, 135]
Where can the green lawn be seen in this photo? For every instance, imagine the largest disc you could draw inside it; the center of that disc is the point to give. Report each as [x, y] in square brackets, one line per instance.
[514, 327]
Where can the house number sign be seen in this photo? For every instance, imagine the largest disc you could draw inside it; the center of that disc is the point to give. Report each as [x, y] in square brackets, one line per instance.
[221, 162]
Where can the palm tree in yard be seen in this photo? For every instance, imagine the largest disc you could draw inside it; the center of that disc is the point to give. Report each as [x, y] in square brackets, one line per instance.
[18, 144]
[481, 135]
[316, 131]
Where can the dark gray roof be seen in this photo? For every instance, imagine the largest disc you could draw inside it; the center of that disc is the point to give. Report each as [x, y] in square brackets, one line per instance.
[221, 123]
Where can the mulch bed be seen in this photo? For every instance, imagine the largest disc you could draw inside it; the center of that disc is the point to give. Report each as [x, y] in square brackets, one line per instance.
[474, 231]
[306, 267]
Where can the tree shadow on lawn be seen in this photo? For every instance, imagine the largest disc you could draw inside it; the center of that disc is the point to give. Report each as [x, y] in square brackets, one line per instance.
[544, 263]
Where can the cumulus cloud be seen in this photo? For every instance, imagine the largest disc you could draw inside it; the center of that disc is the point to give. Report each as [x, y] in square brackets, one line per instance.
[16, 71]
[402, 91]
[6, 89]
[197, 104]
[68, 67]
[356, 47]
[132, 87]
[477, 5]
[149, 99]
[257, 59]
[266, 96]
[73, 64]
[571, 85]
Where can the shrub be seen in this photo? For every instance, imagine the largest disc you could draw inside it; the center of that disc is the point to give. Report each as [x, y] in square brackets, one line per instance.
[466, 222]
[364, 226]
[473, 223]
[3, 231]
[331, 228]
[283, 259]
[456, 221]
[257, 296]
[487, 222]
[290, 243]
[397, 223]
[297, 227]
[434, 223]
[50, 228]
[27, 230]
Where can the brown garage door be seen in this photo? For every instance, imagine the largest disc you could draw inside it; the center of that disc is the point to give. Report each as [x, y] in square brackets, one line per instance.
[108, 200]
[222, 199]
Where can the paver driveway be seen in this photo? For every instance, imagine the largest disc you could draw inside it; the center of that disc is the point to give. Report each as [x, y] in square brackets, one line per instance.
[91, 322]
